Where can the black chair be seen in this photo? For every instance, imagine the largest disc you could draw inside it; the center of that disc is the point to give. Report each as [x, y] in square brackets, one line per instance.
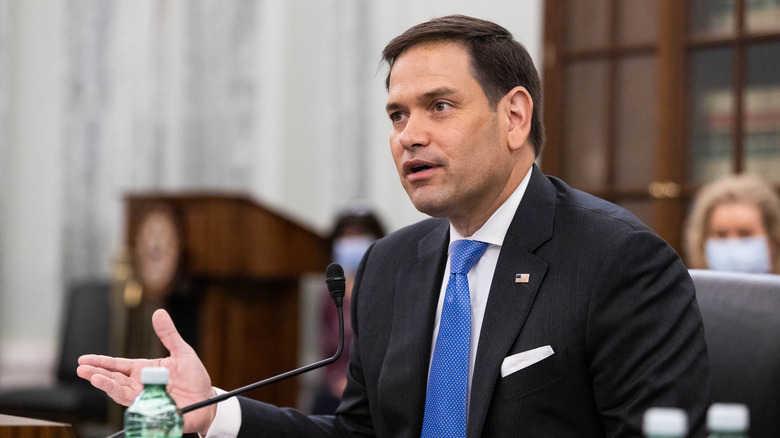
[741, 314]
[72, 399]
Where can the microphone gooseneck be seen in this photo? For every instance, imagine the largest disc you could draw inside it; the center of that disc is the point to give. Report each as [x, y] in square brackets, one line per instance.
[334, 277]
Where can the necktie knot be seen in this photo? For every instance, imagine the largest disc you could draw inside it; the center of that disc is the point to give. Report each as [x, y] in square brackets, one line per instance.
[465, 254]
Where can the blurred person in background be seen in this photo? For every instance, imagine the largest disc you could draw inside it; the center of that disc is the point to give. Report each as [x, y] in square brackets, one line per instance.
[734, 225]
[356, 228]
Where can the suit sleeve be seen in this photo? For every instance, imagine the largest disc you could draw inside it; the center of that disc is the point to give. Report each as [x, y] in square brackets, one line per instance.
[645, 336]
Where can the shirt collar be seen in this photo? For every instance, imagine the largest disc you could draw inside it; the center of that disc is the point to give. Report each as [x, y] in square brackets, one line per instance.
[494, 230]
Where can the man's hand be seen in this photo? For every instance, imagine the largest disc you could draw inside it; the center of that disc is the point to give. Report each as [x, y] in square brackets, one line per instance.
[189, 380]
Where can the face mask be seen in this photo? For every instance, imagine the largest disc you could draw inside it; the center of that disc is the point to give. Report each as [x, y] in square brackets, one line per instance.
[745, 254]
[348, 251]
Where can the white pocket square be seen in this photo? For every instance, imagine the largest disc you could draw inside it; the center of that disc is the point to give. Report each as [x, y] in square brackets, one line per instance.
[517, 362]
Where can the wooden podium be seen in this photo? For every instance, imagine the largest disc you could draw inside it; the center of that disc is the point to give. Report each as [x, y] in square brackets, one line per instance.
[242, 264]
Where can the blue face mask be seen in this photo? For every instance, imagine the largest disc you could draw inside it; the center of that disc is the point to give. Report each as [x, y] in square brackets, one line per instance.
[745, 254]
[348, 251]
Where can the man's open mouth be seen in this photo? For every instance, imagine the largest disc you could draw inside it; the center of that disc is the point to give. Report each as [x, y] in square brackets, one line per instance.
[417, 166]
[421, 167]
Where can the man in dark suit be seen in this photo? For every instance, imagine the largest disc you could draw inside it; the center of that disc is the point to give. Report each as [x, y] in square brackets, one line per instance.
[578, 317]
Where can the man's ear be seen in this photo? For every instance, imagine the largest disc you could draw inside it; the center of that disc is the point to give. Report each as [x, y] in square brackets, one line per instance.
[520, 108]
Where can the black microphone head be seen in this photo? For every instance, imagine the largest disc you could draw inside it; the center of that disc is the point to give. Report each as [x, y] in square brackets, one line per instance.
[337, 283]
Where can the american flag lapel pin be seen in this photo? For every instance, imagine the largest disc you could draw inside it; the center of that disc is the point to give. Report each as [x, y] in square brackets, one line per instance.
[522, 278]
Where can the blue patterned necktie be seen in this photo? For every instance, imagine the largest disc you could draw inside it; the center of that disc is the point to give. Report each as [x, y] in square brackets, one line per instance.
[446, 402]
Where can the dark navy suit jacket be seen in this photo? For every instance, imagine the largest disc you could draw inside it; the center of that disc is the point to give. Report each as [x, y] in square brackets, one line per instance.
[610, 297]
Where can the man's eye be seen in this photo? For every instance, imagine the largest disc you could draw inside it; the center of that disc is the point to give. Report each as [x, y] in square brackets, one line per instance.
[396, 117]
[441, 106]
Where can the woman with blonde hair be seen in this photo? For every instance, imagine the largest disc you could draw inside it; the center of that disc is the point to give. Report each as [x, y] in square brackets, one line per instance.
[735, 226]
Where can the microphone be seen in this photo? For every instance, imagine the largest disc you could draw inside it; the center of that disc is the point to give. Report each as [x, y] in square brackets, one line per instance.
[336, 281]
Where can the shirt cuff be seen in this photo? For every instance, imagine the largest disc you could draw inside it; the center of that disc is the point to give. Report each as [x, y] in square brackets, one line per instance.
[227, 421]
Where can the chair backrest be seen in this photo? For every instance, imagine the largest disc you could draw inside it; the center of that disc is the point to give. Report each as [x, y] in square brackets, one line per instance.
[86, 325]
[741, 315]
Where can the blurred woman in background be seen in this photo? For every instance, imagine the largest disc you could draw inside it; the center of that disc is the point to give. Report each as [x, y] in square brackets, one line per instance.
[735, 226]
[356, 228]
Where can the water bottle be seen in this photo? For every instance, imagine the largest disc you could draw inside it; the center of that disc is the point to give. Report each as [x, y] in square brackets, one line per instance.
[153, 413]
[665, 423]
[728, 420]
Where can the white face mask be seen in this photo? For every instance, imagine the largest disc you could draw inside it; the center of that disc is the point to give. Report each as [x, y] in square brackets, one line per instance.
[745, 254]
[348, 251]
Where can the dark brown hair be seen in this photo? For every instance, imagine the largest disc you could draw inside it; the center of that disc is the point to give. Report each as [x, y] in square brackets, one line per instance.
[356, 218]
[498, 61]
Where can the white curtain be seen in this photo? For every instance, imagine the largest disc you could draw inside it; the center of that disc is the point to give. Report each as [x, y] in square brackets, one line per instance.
[160, 96]
[167, 95]
[5, 33]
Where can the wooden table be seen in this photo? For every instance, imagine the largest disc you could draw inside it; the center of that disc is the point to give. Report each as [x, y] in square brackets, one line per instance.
[19, 427]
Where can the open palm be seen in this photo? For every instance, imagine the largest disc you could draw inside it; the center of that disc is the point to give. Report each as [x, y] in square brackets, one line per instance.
[189, 382]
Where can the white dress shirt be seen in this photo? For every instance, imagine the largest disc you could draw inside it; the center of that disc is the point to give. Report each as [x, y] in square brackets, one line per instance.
[481, 274]
[227, 421]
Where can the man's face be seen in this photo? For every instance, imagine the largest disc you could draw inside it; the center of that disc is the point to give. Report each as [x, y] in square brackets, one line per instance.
[449, 146]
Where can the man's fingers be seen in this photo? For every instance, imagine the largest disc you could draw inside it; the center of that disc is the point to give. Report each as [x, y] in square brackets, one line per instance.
[169, 336]
[118, 364]
[86, 371]
[89, 372]
[120, 393]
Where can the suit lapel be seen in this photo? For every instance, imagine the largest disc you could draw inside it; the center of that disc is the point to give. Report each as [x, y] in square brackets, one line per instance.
[509, 302]
[405, 367]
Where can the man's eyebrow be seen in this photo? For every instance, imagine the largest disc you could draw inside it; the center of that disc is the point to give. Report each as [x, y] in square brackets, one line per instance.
[392, 107]
[435, 94]
[426, 97]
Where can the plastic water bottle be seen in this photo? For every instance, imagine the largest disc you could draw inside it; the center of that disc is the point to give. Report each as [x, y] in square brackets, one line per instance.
[728, 420]
[665, 423]
[153, 413]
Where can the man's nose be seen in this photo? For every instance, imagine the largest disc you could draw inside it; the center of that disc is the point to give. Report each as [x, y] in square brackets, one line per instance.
[415, 133]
